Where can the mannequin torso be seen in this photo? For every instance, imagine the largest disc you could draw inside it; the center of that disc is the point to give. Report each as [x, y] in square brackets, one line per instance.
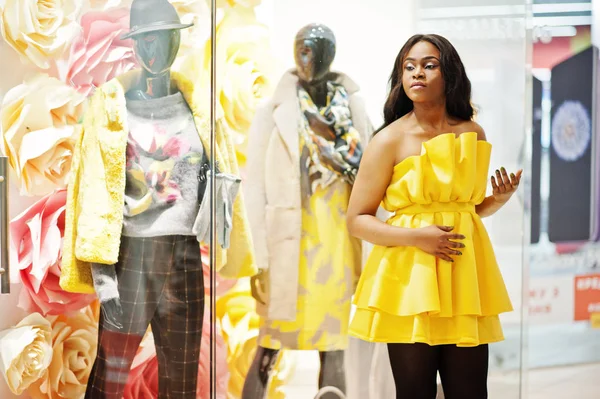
[149, 283]
[319, 95]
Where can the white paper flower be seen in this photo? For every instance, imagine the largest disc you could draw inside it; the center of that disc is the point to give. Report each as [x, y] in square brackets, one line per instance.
[25, 352]
[242, 3]
[571, 130]
[39, 124]
[74, 346]
[40, 31]
[198, 13]
[244, 68]
[106, 4]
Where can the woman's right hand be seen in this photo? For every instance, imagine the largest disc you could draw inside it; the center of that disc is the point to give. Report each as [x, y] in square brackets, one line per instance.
[439, 241]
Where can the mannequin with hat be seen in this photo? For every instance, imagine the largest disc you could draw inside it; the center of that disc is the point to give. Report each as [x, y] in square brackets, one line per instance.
[135, 212]
[304, 150]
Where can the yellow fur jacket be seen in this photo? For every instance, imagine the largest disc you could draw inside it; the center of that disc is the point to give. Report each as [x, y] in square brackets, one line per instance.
[94, 214]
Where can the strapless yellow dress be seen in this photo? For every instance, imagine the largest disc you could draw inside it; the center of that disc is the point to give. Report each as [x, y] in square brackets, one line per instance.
[406, 295]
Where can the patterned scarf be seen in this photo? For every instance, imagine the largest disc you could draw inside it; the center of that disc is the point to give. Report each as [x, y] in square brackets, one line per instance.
[331, 153]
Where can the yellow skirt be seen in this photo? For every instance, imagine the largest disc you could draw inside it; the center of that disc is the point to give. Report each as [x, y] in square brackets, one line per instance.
[406, 295]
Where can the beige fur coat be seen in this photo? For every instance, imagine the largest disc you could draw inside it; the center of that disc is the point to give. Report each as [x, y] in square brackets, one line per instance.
[272, 190]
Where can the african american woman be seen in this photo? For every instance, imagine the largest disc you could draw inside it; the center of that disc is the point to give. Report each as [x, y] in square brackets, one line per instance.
[432, 289]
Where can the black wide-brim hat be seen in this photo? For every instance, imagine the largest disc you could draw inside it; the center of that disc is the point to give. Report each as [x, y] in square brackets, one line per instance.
[152, 15]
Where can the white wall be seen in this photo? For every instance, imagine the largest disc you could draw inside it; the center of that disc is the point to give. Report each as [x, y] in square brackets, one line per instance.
[369, 36]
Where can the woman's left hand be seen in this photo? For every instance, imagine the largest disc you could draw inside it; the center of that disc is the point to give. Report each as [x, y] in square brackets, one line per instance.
[504, 186]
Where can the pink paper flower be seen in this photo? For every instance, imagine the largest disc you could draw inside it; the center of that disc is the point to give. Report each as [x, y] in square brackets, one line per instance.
[222, 370]
[36, 242]
[98, 54]
[223, 284]
[142, 382]
[143, 378]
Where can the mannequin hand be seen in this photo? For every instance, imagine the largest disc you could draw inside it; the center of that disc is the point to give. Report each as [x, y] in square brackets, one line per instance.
[257, 287]
[320, 125]
[503, 186]
[113, 312]
[439, 241]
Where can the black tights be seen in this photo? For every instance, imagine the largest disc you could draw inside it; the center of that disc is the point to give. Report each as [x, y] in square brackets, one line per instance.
[463, 371]
[332, 373]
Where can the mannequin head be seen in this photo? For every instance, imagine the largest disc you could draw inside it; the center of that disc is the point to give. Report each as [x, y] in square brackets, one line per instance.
[155, 30]
[314, 51]
[155, 51]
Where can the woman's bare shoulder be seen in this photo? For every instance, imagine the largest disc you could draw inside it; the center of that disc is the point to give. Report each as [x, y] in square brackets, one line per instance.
[393, 134]
[472, 126]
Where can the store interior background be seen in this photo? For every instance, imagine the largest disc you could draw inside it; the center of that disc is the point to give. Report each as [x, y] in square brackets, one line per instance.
[501, 42]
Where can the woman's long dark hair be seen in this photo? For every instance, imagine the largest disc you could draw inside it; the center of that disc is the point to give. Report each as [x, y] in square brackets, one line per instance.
[457, 84]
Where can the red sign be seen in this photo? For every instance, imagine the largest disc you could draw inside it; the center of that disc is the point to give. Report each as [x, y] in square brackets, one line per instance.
[587, 296]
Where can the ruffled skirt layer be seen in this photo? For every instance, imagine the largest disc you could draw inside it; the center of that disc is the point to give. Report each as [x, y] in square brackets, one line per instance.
[406, 295]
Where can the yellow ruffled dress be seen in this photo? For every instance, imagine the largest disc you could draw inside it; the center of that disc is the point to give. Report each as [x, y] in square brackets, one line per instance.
[406, 295]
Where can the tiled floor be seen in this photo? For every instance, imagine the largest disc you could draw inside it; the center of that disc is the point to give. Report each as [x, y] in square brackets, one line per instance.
[574, 382]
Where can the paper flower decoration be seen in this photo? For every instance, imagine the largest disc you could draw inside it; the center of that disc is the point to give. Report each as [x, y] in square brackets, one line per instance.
[222, 371]
[40, 31]
[143, 379]
[241, 3]
[98, 54]
[243, 76]
[38, 120]
[240, 325]
[223, 284]
[74, 344]
[25, 352]
[106, 4]
[198, 13]
[142, 382]
[36, 243]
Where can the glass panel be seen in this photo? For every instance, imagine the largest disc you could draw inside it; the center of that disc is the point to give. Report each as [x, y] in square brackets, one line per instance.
[113, 99]
[491, 38]
[564, 249]
[311, 259]
[306, 279]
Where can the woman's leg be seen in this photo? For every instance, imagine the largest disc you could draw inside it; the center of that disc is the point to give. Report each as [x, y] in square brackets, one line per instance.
[257, 379]
[332, 372]
[414, 367]
[464, 371]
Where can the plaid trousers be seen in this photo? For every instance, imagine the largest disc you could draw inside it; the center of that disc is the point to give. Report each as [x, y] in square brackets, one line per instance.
[160, 283]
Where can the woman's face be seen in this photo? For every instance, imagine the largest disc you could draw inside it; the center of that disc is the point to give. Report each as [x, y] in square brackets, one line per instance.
[422, 78]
